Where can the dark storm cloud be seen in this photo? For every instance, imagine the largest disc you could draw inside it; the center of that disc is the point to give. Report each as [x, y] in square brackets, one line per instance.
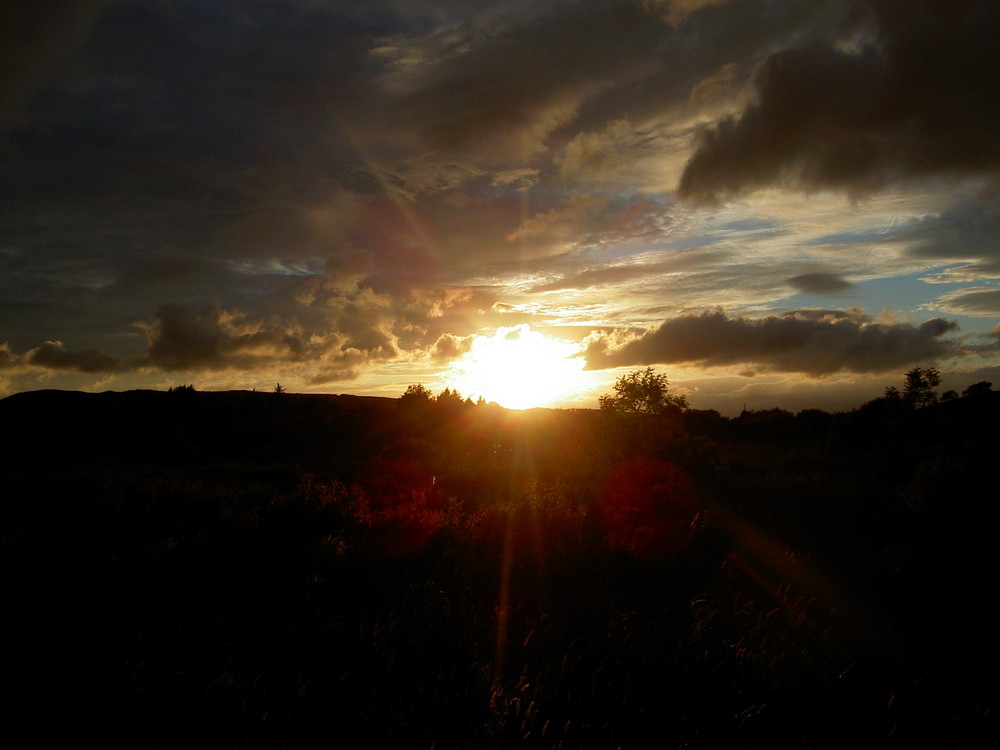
[52, 355]
[820, 283]
[334, 323]
[920, 98]
[284, 130]
[159, 269]
[520, 80]
[208, 338]
[173, 120]
[813, 342]
[513, 83]
[34, 38]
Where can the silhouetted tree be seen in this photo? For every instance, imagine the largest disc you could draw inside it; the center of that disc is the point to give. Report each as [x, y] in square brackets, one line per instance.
[450, 401]
[416, 406]
[766, 424]
[918, 390]
[416, 393]
[978, 389]
[449, 396]
[706, 422]
[279, 388]
[642, 392]
[813, 422]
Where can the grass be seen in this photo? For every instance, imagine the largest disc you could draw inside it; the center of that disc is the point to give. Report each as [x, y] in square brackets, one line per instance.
[468, 591]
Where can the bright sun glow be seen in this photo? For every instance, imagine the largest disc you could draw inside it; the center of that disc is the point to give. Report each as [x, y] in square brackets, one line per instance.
[519, 368]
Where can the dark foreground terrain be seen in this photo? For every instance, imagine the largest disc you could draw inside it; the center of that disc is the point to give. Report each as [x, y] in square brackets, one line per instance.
[247, 570]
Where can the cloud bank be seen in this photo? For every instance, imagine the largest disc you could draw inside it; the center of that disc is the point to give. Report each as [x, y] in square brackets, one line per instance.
[813, 342]
[915, 95]
[52, 355]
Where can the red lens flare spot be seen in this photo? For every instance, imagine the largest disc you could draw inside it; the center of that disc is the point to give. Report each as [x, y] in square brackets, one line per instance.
[648, 507]
[404, 507]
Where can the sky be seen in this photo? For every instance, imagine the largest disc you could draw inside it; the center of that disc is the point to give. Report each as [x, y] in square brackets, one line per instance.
[776, 203]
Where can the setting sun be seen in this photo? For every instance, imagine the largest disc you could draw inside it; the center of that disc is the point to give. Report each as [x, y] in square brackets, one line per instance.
[519, 368]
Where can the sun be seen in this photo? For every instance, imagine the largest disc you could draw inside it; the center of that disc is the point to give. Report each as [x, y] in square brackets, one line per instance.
[519, 368]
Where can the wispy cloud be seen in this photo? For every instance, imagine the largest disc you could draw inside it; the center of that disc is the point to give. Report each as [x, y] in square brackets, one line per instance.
[976, 301]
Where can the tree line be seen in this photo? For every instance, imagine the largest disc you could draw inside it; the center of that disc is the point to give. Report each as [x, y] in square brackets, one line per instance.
[647, 391]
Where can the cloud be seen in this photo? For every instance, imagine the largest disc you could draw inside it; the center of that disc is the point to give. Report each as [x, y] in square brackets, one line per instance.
[812, 342]
[440, 301]
[918, 99]
[560, 222]
[620, 273]
[210, 338]
[161, 269]
[597, 151]
[716, 87]
[967, 230]
[319, 188]
[820, 283]
[311, 228]
[497, 84]
[52, 355]
[334, 330]
[172, 132]
[334, 359]
[589, 223]
[449, 347]
[981, 302]
[511, 83]
[8, 359]
[676, 11]
[35, 38]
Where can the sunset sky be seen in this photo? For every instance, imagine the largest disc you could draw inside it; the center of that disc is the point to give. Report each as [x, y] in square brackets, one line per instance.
[773, 202]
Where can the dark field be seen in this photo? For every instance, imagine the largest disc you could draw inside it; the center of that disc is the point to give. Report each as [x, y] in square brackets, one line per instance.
[247, 570]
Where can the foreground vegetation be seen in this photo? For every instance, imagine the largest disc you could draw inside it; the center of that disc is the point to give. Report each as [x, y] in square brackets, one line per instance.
[276, 570]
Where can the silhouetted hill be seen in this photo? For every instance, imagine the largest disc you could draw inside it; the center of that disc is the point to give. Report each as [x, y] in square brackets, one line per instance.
[190, 427]
[317, 430]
